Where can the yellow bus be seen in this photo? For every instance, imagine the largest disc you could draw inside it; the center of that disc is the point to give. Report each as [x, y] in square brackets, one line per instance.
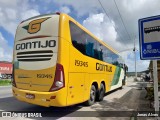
[58, 62]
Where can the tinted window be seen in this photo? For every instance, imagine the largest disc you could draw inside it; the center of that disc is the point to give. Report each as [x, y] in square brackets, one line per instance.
[88, 46]
[78, 38]
[107, 56]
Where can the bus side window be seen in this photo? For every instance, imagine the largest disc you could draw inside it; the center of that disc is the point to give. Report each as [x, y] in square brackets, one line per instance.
[89, 49]
[100, 49]
[78, 38]
[90, 46]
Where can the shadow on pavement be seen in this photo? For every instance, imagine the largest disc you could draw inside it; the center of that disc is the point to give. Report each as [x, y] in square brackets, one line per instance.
[13, 105]
[133, 100]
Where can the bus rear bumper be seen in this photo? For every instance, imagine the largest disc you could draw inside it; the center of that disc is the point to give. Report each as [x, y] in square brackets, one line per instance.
[39, 98]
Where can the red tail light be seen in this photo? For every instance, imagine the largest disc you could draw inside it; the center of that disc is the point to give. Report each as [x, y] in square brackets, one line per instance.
[58, 79]
[13, 77]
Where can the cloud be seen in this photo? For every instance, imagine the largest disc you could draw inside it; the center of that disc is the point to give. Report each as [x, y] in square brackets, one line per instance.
[82, 7]
[142, 65]
[110, 31]
[130, 11]
[129, 59]
[5, 49]
[29, 13]
[65, 9]
[12, 13]
[104, 29]
[9, 3]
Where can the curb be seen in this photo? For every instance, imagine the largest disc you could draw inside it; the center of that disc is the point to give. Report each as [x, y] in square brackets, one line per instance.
[6, 86]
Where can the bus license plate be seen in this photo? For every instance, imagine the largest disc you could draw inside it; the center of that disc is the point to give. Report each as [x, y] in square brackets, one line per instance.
[30, 96]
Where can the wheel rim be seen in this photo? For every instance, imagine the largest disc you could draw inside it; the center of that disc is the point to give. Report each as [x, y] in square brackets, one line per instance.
[92, 95]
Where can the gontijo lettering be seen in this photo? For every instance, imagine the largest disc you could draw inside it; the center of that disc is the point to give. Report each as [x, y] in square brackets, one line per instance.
[102, 67]
[36, 44]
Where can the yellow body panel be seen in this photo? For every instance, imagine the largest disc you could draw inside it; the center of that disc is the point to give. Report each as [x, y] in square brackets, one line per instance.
[28, 80]
[76, 88]
[42, 98]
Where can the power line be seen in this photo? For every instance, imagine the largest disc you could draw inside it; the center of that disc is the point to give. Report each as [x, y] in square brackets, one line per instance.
[122, 19]
[111, 20]
[104, 10]
[108, 16]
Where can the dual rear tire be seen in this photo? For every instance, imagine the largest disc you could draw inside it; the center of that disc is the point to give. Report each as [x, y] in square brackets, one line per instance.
[96, 94]
[92, 97]
[101, 92]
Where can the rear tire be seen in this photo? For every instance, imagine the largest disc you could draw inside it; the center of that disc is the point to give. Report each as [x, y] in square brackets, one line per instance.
[92, 97]
[101, 92]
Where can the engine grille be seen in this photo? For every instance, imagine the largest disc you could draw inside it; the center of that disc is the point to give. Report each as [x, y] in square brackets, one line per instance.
[33, 56]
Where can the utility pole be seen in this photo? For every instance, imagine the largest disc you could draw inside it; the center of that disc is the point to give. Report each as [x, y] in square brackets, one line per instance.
[134, 49]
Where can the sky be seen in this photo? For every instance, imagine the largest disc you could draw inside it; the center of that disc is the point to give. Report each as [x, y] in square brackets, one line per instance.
[107, 26]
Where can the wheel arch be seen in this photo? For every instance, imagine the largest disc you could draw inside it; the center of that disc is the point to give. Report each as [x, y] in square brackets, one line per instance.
[95, 84]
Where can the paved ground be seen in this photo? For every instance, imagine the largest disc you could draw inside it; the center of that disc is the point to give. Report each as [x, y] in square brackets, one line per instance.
[126, 99]
[5, 91]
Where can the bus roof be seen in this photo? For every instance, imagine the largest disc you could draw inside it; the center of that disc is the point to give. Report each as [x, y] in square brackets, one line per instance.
[40, 16]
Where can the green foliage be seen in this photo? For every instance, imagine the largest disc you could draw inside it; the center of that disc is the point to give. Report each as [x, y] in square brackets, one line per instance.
[5, 82]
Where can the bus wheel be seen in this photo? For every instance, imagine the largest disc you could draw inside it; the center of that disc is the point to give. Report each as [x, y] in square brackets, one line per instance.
[92, 96]
[101, 92]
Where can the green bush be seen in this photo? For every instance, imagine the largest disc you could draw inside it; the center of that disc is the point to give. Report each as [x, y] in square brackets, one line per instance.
[5, 82]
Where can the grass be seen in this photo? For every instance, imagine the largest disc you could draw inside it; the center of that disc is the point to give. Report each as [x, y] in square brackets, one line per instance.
[5, 82]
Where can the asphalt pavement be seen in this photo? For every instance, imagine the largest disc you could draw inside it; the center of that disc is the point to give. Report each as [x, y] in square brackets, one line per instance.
[128, 98]
[5, 91]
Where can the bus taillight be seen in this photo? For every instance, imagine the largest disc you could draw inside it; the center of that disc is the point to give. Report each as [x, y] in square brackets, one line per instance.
[58, 79]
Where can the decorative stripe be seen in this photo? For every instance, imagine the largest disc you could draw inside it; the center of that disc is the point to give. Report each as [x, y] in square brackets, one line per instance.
[33, 84]
[22, 83]
[116, 76]
[35, 52]
[34, 56]
[34, 60]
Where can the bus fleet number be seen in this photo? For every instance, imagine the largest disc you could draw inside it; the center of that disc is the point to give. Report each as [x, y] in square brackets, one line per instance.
[81, 63]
